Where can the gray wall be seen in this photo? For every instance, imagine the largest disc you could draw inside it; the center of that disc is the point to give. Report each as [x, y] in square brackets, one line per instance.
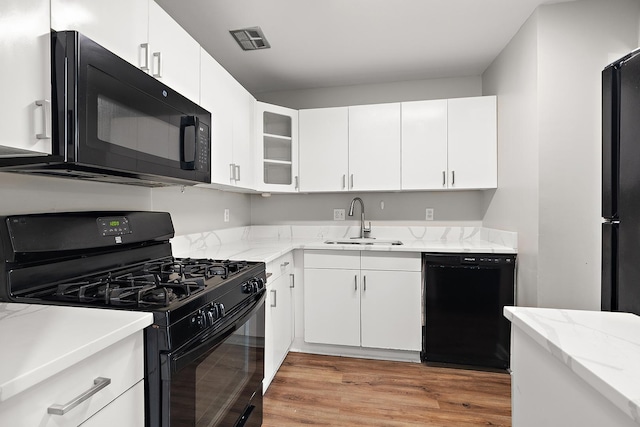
[548, 86]
[465, 206]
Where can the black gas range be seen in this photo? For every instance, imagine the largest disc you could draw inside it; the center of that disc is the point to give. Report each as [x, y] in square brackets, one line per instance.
[204, 351]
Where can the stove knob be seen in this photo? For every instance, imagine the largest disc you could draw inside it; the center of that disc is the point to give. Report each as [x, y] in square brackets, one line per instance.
[199, 320]
[259, 283]
[248, 287]
[221, 309]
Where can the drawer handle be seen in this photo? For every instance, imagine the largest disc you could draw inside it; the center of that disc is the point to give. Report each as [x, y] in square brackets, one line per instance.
[274, 303]
[292, 277]
[98, 384]
[284, 264]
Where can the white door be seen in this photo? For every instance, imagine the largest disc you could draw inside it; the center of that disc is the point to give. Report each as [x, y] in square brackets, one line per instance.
[332, 306]
[424, 145]
[25, 77]
[374, 147]
[391, 309]
[473, 143]
[174, 55]
[121, 26]
[324, 148]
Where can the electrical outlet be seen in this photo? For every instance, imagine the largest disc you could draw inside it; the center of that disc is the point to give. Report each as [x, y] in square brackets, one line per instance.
[338, 214]
[429, 212]
[226, 215]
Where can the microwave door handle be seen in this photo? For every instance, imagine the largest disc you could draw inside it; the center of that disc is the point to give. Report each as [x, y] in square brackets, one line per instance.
[188, 142]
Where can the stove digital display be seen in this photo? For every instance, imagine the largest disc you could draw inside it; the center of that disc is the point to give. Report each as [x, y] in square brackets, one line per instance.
[113, 226]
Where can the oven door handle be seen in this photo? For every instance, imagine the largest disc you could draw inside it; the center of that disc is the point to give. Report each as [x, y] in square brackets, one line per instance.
[187, 355]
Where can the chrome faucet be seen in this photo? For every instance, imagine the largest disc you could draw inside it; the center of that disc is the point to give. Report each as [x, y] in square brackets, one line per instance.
[364, 231]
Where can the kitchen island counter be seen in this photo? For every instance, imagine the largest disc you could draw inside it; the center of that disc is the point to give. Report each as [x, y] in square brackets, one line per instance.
[574, 367]
[40, 341]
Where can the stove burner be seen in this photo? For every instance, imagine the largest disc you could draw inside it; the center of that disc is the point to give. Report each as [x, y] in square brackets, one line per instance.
[153, 284]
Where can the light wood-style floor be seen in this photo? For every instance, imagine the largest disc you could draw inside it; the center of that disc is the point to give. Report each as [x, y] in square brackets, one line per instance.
[340, 391]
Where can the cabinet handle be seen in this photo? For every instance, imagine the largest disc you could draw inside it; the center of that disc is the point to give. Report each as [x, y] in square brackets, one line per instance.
[444, 178]
[364, 283]
[144, 57]
[98, 384]
[293, 280]
[275, 301]
[453, 178]
[46, 118]
[232, 172]
[237, 167]
[355, 283]
[344, 181]
[157, 58]
[284, 264]
[297, 183]
[351, 182]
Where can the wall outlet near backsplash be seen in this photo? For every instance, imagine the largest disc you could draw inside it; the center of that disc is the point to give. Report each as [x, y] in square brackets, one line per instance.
[338, 214]
[429, 214]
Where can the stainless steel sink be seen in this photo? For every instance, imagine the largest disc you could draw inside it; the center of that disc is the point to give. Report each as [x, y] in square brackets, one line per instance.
[363, 241]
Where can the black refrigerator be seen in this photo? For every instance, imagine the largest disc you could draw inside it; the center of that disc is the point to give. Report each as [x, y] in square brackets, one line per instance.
[621, 185]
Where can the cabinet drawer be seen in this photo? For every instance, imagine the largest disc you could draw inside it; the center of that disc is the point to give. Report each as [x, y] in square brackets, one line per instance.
[280, 266]
[122, 363]
[392, 261]
[332, 259]
[126, 410]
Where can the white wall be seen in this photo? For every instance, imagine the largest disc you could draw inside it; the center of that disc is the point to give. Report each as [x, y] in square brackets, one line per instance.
[376, 93]
[555, 122]
[514, 205]
[195, 209]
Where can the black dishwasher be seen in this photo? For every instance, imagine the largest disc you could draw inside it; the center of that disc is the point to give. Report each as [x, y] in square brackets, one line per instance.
[464, 298]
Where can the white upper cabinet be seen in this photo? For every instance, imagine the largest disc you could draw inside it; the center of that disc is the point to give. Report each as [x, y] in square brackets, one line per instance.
[472, 143]
[449, 144]
[174, 56]
[122, 26]
[424, 145]
[324, 149]
[277, 148]
[374, 147]
[232, 111]
[140, 32]
[25, 77]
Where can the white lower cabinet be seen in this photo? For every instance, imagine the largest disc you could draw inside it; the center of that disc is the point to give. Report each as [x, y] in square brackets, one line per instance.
[368, 299]
[278, 315]
[121, 363]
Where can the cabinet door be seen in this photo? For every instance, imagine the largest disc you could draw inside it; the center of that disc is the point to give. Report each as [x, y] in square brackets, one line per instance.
[96, 20]
[243, 118]
[391, 306]
[374, 147]
[332, 306]
[424, 145]
[216, 97]
[472, 144]
[324, 149]
[174, 55]
[277, 148]
[126, 410]
[25, 76]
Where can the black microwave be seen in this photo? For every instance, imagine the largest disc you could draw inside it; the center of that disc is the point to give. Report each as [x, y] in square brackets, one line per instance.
[113, 122]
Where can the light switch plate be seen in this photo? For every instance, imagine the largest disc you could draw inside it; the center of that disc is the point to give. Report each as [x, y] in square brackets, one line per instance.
[226, 215]
[338, 214]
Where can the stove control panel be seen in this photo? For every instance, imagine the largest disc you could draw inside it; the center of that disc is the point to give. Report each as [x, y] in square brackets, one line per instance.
[114, 226]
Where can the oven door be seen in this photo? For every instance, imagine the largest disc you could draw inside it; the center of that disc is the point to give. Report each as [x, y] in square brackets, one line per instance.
[217, 381]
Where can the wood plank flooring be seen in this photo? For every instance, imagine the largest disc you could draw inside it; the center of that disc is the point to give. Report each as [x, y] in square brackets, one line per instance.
[339, 391]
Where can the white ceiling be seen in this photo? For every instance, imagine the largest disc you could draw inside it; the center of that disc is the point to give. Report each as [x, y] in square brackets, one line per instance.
[324, 43]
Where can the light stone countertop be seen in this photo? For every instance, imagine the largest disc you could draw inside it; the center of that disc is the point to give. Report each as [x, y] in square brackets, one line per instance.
[602, 348]
[267, 243]
[39, 341]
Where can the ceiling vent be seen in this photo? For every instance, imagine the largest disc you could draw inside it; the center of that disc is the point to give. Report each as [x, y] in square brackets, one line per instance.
[250, 38]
